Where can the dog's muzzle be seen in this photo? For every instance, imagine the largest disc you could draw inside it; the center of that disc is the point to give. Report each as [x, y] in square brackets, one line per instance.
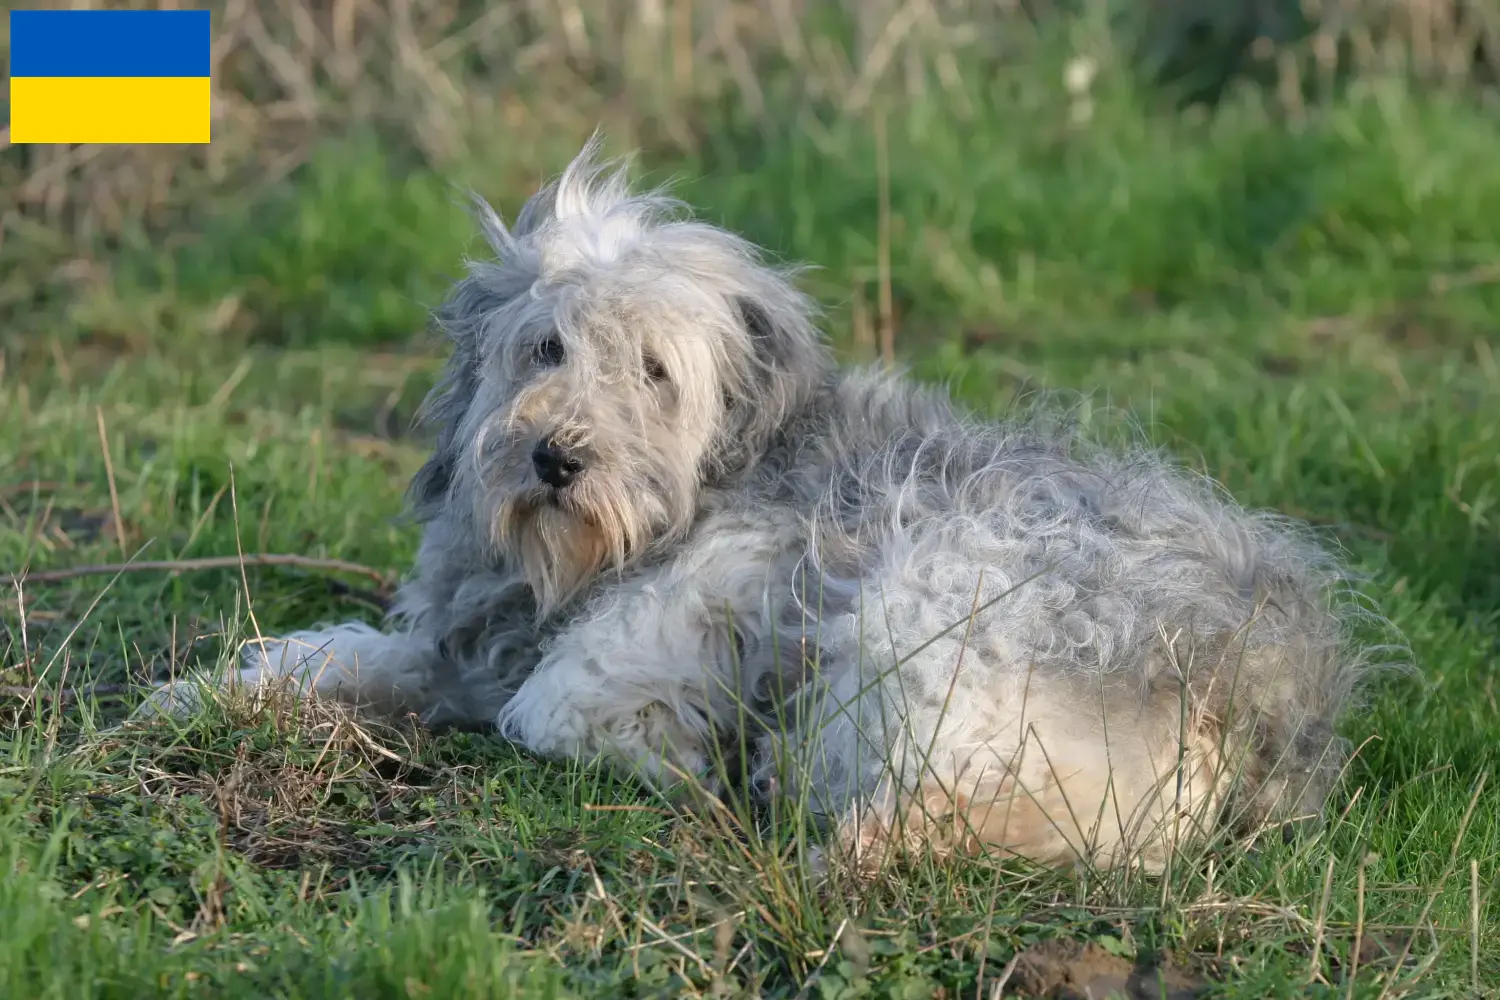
[555, 465]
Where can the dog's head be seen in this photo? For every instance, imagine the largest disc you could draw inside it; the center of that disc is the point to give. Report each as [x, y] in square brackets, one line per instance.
[614, 360]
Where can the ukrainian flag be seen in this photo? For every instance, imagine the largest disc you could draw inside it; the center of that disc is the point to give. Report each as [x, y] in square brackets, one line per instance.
[119, 76]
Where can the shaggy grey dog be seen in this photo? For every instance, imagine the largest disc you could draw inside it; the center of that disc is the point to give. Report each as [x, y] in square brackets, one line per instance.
[659, 521]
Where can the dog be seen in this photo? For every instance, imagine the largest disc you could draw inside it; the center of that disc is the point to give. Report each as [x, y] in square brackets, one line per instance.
[660, 520]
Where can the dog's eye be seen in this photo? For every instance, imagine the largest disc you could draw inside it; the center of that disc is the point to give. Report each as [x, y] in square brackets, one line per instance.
[549, 352]
[655, 370]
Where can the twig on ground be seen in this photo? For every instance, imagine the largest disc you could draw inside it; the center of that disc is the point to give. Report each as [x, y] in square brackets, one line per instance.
[37, 486]
[210, 562]
[63, 694]
[380, 599]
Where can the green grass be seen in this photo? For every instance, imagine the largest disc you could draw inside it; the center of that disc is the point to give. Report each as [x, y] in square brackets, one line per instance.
[1304, 309]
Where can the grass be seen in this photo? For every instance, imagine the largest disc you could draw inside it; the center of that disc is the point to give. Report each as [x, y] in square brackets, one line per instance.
[1299, 299]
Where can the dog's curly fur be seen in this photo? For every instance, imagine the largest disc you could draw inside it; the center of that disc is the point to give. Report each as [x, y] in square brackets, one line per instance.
[940, 630]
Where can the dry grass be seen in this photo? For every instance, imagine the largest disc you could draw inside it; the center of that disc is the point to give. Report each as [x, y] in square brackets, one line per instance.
[273, 790]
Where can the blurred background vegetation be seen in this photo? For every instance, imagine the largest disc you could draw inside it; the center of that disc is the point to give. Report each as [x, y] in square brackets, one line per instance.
[1112, 155]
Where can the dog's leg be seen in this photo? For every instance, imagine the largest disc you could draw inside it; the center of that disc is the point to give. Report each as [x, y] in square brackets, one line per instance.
[909, 736]
[1042, 775]
[652, 671]
[644, 682]
[385, 674]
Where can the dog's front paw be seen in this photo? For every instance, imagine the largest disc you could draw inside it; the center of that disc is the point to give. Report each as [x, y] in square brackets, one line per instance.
[185, 697]
[264, 660]
[657, 741]
[261, 662]
[549, 719]
[178, 699]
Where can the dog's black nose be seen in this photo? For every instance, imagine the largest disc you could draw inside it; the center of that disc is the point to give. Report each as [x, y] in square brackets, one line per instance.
[555, 465]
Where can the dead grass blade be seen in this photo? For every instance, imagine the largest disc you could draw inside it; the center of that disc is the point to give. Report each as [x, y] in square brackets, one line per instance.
[209, 563]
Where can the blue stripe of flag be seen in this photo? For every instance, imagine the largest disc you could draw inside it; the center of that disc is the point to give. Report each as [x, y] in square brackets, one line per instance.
[109, 43]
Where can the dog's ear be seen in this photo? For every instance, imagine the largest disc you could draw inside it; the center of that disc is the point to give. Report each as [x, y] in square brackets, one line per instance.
[789, 355]
[444, 407]
[448, 401]
[787, 363]
[487, 287]
[757, 323]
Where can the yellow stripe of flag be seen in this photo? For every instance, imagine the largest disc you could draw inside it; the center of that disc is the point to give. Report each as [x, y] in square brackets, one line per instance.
[109, 109]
